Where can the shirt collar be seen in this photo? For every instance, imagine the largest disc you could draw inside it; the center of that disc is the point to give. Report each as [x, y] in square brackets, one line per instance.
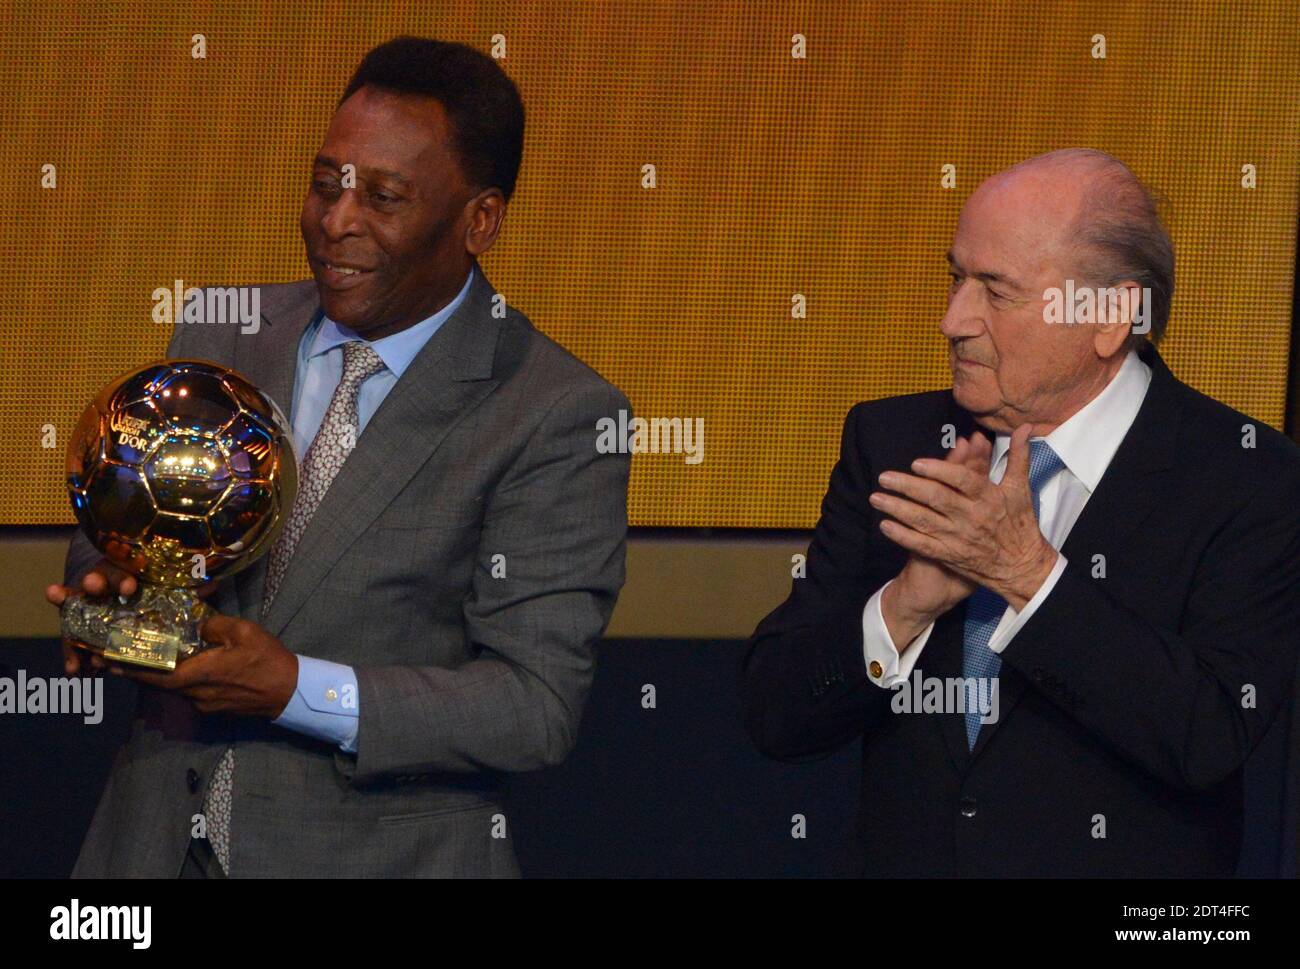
[397, 350]
[1088, 440]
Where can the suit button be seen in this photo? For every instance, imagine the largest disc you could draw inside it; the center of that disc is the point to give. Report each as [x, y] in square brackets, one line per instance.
[876, 670]
[968, 807]
[192, 780]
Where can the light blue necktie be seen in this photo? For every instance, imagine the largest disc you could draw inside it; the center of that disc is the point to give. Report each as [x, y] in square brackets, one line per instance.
[984, 609]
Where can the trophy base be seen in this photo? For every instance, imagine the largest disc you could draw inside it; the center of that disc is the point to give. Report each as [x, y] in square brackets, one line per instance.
[156, 628]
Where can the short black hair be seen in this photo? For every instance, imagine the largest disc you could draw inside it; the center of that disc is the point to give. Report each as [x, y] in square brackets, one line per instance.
[482, 103]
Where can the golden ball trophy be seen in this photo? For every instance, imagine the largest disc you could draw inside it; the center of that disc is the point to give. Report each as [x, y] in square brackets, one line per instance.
[180, 473]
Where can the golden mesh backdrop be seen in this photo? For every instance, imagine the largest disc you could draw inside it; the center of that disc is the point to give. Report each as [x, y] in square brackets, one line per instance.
[775, 176]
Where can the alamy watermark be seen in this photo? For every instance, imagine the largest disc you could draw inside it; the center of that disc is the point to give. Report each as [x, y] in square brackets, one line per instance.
[1101, 305]
[79, 695]
[217, 304]
[78, 923]
[656, 435]
[948, 694]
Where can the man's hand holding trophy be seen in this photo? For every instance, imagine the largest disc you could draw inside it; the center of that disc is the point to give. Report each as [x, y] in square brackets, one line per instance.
[181, 473]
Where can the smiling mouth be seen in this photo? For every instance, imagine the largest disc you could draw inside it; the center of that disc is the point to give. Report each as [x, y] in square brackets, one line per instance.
[341, 277]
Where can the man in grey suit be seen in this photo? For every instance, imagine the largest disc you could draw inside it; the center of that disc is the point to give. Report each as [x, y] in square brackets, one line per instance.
[427, 620]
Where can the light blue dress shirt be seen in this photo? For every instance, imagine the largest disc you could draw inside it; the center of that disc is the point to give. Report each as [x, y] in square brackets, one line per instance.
[325, 704]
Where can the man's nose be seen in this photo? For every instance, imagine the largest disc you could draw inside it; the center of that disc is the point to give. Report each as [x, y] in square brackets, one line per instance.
[964, 317]
[343, 217]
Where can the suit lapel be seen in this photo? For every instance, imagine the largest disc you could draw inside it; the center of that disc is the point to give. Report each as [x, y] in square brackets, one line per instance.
[1125, 497]
[451, 373]
[270, 360]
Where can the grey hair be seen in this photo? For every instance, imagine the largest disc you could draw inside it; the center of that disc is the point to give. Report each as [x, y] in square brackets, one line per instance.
[1119, 234]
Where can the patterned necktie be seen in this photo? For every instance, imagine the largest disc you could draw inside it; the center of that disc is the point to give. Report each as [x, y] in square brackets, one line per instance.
[984, 609]
[334, 440]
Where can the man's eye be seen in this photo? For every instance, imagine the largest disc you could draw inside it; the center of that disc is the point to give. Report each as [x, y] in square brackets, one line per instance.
[996, 295]
[321, 185]
[384, 197]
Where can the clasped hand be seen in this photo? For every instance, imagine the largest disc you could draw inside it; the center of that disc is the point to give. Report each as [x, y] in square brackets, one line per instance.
[244, 671]
[950, 513]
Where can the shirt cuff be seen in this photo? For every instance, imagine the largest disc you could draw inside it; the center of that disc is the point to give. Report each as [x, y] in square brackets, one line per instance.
[878, 646]
[325, 703]
[1005, 632]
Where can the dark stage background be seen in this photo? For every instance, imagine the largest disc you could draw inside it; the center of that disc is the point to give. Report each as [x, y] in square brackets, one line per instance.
[676, 791]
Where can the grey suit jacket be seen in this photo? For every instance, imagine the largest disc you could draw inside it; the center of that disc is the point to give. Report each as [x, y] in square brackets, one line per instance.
[485, 447]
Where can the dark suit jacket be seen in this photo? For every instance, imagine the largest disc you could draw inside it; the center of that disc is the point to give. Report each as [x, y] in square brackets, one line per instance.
[1129, 701]
[483, 454]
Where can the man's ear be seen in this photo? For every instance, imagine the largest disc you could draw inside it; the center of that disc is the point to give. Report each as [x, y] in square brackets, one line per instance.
[486, 211]
[1116, 311]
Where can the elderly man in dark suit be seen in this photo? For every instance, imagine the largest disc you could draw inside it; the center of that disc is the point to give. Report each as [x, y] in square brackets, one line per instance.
[426, 621]
[1082, 576]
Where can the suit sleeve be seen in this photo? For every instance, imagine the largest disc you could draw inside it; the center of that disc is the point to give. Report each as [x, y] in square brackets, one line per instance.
[1189, 704]
[804, 684]
[559, 518]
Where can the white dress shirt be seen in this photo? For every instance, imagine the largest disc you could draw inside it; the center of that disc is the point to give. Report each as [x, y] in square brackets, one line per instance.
[1085, 443]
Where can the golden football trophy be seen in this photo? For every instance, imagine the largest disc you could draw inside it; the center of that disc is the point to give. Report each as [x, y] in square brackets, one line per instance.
[180, 473]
